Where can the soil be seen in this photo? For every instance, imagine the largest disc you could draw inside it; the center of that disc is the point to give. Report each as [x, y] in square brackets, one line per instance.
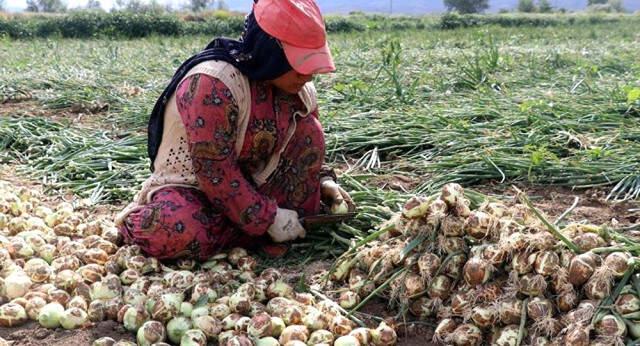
[31, 334]
[83, 116]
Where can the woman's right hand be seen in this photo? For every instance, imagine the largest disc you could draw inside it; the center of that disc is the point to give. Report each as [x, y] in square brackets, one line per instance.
[286, 226]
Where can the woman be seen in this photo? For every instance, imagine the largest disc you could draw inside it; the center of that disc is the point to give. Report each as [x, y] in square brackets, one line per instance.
[236, 147]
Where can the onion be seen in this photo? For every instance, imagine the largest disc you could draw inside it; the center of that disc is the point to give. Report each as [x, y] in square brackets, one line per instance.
[104, 341]
[236, 340]
[547, 263]
[582, 267]
[150, 333]
[422, 308]
[235, 254]
[452, 226]
[453, 268]
[49, 316]
[598, 286]
[134, 297]
[219, 311]
[67, 279]
[279, 289]
[567, 300]
[186, 309]
[208, 325]
[33, 307]
[97, 311]
[617, 263]
[610, 325]
[532, 285]
[523, 262]
[201, 290]
[177, 327]
[230, 321]
[539, 308]
[305, 299]
[460, 303]
[347, 340]
[294, 332]
[17, 284]
[494, 254]
[129, 276]
[104, 290]
[270, 275]
[478, 225]
[484, 316]
[134, 318]
[268, 341]
[363, 335]
[627, 303]
[73, 318]
[242, 323]
[91, 273]
[476, 271]
[340, 208]
[193, 337]
[428, 265]
[239, 303]
[167, 307]
[181, 279]
[38, 270]
[464, 335]
[440, 287]
[577, 335]
[444, 330]
[588, 241]
[451, 245]
[315, 320]
[78, 302]
[47, 252]
[349, 299]
[197, 312]
[507, 336]
[320, 336]
[277, 326]
[186, 264]
[12, 314]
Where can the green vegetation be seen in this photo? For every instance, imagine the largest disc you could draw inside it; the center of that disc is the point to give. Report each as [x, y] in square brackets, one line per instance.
[131, 24]
[408, 111]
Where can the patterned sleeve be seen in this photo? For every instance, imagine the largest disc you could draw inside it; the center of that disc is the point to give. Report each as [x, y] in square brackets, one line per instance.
[210, 114]
[326, 172]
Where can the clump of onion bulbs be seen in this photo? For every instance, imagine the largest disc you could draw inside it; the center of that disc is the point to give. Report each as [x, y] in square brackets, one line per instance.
[63, 268]
[478, 270]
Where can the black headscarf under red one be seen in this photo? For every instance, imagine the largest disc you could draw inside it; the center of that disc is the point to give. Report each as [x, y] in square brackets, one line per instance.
[257, 55]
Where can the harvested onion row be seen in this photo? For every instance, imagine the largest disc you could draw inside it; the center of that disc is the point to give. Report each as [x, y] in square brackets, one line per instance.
[498, 275]
[64, 269]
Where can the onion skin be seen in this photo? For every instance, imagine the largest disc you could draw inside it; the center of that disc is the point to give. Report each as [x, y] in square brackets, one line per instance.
[476, 271]
[577, 335]
[444, 330]
[610, 325]
[582, 267]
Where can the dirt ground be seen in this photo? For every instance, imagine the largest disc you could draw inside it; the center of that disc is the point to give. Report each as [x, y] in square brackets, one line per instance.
[552, 200]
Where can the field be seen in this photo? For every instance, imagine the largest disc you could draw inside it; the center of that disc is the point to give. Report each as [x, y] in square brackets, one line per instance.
[553, 110]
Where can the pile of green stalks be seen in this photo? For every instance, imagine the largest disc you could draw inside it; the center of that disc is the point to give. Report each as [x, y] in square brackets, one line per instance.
[93, 165]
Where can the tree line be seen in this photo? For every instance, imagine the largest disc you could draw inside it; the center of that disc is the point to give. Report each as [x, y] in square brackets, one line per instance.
[530, 6]
[54, 6]
[460, 6]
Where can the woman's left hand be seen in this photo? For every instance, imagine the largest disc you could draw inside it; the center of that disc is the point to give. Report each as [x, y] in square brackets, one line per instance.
[332, 192]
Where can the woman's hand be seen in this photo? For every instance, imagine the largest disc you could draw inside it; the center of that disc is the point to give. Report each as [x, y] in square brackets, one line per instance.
[286, 226]
[335, 194]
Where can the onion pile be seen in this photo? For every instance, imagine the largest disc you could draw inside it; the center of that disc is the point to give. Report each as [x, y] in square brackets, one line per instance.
[64, 268]
[477, 273]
